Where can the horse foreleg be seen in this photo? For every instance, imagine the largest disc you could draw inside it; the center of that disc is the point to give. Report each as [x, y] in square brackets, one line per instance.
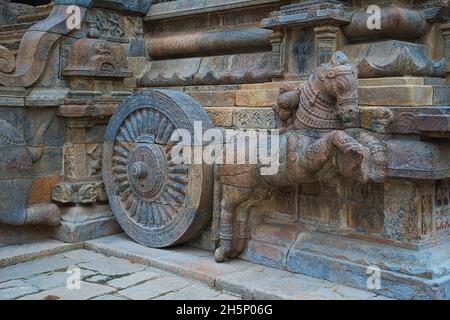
[243, 213]
[226, 231]
[240, 242]
[318, 153]
[232, 198]
[351, 154]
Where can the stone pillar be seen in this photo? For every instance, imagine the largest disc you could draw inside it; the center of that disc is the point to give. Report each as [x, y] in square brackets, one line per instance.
[445, 27]
[310, 31]
[81, 194]
[326, 41]
[277, 62]
[96, 69]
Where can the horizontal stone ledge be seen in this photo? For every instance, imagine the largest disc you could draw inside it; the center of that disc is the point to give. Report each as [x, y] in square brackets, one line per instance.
[211, 70]
[398, 81]
[134, 6]
[180, 8]
[210, 43]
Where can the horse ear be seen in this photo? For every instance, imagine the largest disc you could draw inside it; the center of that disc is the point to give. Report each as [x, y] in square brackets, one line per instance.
[339, 58]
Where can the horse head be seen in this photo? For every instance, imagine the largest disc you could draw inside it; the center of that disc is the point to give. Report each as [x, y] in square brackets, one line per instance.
[338, 82]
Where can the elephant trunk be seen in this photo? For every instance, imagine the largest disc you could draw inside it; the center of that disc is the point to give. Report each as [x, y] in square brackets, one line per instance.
[38, 143]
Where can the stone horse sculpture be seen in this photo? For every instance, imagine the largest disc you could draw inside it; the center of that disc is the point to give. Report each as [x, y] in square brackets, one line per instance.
[319, 139]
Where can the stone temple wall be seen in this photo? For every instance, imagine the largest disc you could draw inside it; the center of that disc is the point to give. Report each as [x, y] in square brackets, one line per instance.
[59, 88]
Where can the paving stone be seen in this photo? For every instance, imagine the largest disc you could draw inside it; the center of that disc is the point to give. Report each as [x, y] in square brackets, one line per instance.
[226, 296]
[14, 254]
[87, 291]
[27, 269]
[49, 281]
[98, 278]
[109, 297]
[55, 279]
[192, 292]
[112, 266]
[380, 298]
[84, 255]
[12, 283]
[155, 288]
[16, 292]
[133, 279]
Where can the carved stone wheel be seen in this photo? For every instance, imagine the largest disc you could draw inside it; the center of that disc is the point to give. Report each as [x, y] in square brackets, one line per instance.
[157, 202]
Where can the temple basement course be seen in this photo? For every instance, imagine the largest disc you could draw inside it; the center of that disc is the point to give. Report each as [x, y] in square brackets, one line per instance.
[356, 93]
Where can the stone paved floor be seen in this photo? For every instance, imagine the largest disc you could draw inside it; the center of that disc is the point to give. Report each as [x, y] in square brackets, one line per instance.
[102, 277]
[117, 268]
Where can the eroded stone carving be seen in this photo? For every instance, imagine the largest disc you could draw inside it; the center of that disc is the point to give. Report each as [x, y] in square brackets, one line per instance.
[35, 49]
[105, 24]
[79, 192]
[97, 58]
[16, 172]
[8, 13]
[317, 122]
[394, 58]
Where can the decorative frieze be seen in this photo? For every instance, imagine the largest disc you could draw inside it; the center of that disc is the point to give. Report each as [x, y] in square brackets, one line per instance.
[97, 58]
[104, 24]
[79, 192]
[254, 118]
[393, 58]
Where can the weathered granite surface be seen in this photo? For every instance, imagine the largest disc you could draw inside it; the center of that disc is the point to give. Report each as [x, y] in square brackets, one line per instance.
[60, 87]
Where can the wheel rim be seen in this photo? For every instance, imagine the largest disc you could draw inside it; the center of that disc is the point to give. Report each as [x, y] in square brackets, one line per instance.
[157, 202]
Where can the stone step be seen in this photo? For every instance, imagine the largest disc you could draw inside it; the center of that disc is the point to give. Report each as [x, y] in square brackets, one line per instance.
[20, 253]
[242, 278]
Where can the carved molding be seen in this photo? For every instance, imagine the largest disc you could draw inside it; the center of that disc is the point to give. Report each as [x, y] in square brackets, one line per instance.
[79, 192]
[97, 58]
[309, 13]
[35, 49]
[394, 58]
[105, 25]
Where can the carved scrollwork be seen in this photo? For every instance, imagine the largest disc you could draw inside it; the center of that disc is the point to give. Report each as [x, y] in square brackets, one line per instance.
[7, 60]
[35, 49]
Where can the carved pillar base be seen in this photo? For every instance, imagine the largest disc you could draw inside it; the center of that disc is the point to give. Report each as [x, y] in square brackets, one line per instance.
[81, 194]
[81, 223]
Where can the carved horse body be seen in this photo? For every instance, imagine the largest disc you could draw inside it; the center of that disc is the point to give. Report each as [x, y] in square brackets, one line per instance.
[316, 143]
